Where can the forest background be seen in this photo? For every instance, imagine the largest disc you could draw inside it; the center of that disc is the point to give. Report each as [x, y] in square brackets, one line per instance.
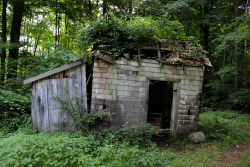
[39, 35]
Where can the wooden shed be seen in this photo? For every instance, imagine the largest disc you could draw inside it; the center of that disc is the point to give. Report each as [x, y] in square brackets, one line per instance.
[162, 87]
[46, 115]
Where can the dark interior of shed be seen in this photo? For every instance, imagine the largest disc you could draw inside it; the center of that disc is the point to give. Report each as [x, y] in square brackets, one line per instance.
[160, 103]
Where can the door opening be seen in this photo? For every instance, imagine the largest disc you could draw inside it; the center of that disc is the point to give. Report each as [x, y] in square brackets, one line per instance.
[160, 103]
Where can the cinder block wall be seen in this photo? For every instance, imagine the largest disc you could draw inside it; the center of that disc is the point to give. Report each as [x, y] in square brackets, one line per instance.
[123, 87]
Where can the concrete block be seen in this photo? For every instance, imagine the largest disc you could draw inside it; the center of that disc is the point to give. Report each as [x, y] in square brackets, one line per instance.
[121, 61]
[192, 68]
[139, 110]
[139, 105]
[185, 127]
[120, 87]
[187, 102]
[195, 78]
[142, 95]
[155, 70]
[133, 63]
[188, 122]
[132, 78]
[149, 61]
[129, 104]
[196, 73]
[134, 88]
[122, 77]
[97, 96]
[141, 78]
[183, 117]
[139, 84]
[101, 80]
[113, 76]
[113, 70]
[111, 86]
[97, 91]
[190, 92]
[188, 107]
[142, 90]
[94, 80]
[191, 82]
[192, 87]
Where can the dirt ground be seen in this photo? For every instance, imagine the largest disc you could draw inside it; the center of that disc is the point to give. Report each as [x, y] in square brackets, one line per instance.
[234, 155]
[227, 157]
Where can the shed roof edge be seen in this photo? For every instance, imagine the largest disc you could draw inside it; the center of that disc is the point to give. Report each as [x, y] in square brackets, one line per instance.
[54, 71]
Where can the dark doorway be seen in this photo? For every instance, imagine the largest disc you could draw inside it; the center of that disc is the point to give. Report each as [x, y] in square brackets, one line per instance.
[160, 103]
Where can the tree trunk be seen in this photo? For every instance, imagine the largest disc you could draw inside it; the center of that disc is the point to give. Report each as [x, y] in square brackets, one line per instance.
[104, 7]
[130, 6]
[3, 55]
[36, 44]
[245, 54]
[236, 49]
[56, 33]
[204, 27]
[18, 10]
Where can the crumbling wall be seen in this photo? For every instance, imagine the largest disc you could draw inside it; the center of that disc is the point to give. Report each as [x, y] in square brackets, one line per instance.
[123, 87]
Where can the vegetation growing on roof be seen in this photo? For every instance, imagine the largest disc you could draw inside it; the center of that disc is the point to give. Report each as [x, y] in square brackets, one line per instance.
[123, 36]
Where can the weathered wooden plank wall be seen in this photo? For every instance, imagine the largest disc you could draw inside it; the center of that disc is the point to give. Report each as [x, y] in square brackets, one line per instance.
[46, 113]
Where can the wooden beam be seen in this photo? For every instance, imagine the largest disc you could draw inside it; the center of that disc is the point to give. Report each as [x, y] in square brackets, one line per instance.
[54, 71]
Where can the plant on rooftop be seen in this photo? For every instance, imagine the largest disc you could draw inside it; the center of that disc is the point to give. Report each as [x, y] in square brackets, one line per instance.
[119, 36]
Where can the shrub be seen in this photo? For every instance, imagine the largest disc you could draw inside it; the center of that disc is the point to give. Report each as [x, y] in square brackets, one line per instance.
[64, 149]
[13, 110]
[138, 134]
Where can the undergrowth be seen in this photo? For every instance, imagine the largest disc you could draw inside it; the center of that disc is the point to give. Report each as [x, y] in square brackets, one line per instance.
[223, 128]
[126, 146]
[64, 149]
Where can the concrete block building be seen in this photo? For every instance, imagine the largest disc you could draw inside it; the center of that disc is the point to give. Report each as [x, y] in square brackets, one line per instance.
[162, 87]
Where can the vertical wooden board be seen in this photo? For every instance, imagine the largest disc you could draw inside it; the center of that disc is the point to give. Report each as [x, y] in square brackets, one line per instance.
[44, 105]
[63, 118]
[33, 106]
[38, 106]
[72, 87]
[53, 104]
[81, 83]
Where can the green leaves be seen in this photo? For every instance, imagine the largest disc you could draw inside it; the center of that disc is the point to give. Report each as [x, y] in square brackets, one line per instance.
[116, 36]
[83, 119]
[64, 149]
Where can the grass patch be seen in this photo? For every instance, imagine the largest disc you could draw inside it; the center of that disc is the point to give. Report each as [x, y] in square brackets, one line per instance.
[223, 129]
[246, 159]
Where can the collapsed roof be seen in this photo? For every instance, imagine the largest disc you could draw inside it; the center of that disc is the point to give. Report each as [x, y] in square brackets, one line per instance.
[167, 51]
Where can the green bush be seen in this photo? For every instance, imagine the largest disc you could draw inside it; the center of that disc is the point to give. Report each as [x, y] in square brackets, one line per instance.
[13, 110]
[64, 149]
[138, 134]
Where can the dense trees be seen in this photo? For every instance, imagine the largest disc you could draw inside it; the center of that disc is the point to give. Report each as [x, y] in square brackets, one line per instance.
[41, 34]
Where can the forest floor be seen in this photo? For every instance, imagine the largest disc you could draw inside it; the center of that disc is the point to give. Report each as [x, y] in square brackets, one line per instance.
[227, 142]
[209, 154]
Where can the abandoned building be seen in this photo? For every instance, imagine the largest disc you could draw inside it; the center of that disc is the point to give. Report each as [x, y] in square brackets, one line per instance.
[45, 109]
[162, 87]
